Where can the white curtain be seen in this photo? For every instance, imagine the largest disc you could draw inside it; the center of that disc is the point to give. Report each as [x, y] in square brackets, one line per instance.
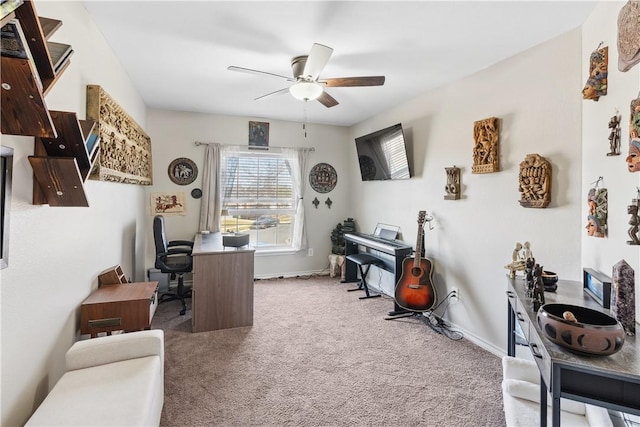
[297, 158]
[210, 207]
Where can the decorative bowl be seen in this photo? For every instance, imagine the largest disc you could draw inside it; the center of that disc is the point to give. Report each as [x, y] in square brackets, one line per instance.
[550, 281]
[593, 333]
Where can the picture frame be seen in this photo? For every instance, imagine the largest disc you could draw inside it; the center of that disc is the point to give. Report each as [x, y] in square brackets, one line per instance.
[182, 171]
[598, 286]
[259, 135]
[171, 203]
[6, 172]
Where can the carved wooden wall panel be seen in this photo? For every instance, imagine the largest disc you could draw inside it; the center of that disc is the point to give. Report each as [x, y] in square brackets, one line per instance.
[486, 149]
[125, 148]
[535, 182]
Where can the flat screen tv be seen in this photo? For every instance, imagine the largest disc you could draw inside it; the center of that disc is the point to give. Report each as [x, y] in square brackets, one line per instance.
[383, 155]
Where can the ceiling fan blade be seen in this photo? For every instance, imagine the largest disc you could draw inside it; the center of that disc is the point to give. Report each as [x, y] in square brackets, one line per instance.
[277, 92]
[318, 58]
[260, 73]
[353, 81]
[327, 100]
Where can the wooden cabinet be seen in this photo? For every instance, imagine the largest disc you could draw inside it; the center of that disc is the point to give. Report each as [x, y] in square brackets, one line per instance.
[65, 147]
[122, 307]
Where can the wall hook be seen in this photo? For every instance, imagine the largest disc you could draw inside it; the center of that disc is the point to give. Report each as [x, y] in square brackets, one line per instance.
[328, 202]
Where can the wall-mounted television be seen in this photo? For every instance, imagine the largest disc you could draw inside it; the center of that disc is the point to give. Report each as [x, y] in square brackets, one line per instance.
[383, 155]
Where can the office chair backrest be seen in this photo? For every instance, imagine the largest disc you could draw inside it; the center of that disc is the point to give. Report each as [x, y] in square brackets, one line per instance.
[159, 236]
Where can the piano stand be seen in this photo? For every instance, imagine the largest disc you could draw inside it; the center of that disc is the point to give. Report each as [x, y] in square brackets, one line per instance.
[366, 260]
[399, 314]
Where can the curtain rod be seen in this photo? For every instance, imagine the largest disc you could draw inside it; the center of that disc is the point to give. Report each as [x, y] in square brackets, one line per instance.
[198, 143]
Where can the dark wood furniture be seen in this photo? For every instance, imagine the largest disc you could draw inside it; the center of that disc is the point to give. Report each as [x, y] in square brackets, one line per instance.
[609, 381]
[65, 147]
[112, 276]
[122, 307]
[222, 295]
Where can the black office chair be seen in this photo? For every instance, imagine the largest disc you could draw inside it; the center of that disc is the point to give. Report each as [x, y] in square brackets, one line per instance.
[174, 258]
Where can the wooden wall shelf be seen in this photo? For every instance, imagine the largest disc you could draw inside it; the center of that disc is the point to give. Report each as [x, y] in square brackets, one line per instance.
[65, 147]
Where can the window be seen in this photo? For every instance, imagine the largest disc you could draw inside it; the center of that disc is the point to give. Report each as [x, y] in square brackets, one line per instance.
[259, 197]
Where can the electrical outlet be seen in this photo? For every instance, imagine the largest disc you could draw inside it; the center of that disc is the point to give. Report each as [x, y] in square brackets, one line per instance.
[455, 295]
[310, 252]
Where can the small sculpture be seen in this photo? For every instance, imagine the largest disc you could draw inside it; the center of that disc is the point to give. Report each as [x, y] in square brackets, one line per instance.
[526, 251]
[519, 258]
[614, 136]
[634, 222]
[538, 288]
[528, 274]
[517, 262]
[453, 183]
[535, 182]
[485, 149]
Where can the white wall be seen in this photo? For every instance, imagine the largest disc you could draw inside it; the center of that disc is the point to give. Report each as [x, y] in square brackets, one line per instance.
[173, 135]
[56, 253]
[536, 96]
[603, 253]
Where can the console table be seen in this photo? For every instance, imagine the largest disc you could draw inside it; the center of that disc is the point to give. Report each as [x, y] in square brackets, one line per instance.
[609, 381]
[222, 294]
[119, 307]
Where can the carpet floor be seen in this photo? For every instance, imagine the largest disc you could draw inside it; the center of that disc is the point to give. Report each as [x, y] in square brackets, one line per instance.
[317, 355]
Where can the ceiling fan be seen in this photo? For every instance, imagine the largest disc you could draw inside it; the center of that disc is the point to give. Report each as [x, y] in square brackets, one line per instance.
[306, 83]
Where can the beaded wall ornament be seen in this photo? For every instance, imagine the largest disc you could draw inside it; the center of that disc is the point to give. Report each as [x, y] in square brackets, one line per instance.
[633, 158]
[598, 208]
[596, 85]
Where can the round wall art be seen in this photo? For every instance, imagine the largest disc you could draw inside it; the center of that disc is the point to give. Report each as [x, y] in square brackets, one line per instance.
[323, 178]
[183, 171]
[196, 193]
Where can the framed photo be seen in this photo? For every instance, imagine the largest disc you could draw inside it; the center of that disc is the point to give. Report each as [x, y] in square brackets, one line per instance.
[6, 168]
[597, 286]
[259, 135]
[183, 171]
[168, 204]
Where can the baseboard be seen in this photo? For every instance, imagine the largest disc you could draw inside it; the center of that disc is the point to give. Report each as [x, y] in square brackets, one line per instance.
[479, 341]
[324, 272]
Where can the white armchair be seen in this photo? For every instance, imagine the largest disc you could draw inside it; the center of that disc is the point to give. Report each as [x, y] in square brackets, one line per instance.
[521, 395]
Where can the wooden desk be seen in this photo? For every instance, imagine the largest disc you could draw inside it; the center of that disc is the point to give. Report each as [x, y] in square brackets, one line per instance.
[123, 307]
[222, 284]
[609, 381]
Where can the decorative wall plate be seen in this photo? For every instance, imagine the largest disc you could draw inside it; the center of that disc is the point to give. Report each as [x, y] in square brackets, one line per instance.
[196, 193]
[323, 178]
[183, 171]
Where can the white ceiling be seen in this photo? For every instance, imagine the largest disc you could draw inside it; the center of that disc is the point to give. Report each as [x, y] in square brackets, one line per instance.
[177, 52]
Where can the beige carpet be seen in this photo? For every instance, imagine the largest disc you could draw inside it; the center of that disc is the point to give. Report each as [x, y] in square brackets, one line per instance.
[316, 355]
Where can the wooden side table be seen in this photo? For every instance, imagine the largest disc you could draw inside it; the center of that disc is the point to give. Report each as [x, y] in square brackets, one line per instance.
[119, 307]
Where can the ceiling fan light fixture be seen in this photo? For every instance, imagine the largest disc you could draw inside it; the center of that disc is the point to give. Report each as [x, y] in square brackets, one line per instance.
[306, 91]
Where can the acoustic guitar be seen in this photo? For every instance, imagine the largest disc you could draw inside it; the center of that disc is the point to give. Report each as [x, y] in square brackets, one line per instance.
[414, 291]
